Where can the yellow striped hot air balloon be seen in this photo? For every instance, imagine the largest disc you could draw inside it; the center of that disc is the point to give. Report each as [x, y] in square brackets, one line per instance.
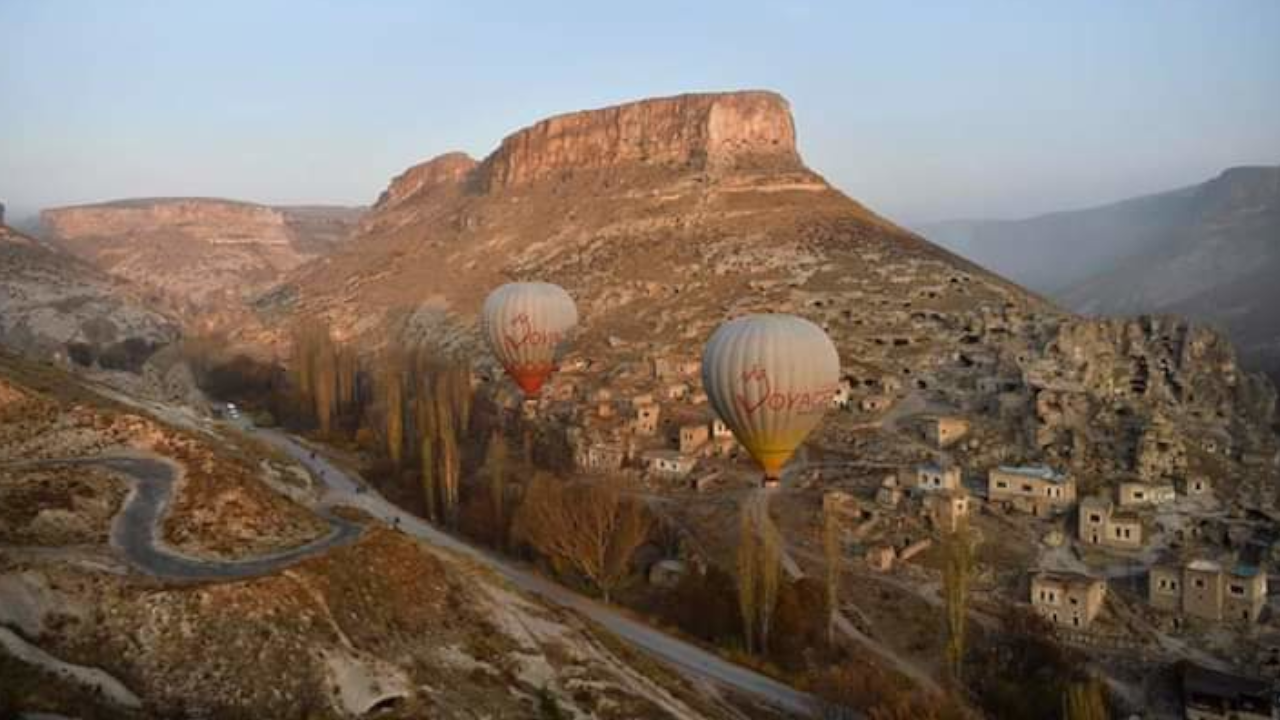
[526, 325]
[771, 378]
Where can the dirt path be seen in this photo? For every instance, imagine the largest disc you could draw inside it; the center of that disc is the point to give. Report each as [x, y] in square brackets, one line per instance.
[759, 504]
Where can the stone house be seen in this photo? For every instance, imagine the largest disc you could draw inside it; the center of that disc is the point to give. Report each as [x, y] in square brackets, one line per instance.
[1203, 589]
[720, 431]
[603, 457]
[1037, 489]
[931, 477]
[944, 431]
[889, 493]
[693, 437]
[841, 397]
[948, 510]
[1138, 494]
[1100, 524]
[647, 419]
[676, 391]
[1067, 599]
[668, 463]
[1212, 695]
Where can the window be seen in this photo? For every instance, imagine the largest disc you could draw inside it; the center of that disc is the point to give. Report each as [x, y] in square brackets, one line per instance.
[1002, 484]
[1138, 495]
[1199, 583]
[1095, 518]
[1236, 589]
[1027, 488]
[1075, 601]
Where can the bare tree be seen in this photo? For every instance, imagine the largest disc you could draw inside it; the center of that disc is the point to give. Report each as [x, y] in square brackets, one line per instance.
[496, 462]
[593, 528]
[1085, 700]
[391, 386]
[770, 575]
[957, 571]
[450, 457]
[759, 572]
[748, 582]
[831, 552]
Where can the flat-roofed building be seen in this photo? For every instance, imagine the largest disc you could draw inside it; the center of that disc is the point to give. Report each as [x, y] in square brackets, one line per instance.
[1137, 494]
[693, 436]
[1067, 599]
[944, 431]
[1212, 695]
[1206, 590]
[668, 463]
[1101, 524]
[948, 510]
[932, 476]
[1036, 489]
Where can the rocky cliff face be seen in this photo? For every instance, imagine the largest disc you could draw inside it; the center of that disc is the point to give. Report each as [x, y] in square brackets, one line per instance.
[699, 132]
[200, 255]
[55, 305]
[441, 171]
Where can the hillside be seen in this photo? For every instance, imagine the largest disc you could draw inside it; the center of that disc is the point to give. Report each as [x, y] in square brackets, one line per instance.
[55, 305]
[379, 624]
[200, 256]
[1208, 252]
[664, 217]
[684, 207]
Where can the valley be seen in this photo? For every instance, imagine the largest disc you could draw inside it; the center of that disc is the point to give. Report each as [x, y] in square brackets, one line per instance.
[313, 491]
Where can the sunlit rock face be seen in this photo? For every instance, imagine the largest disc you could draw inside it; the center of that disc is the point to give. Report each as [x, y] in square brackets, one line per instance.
[704, 131]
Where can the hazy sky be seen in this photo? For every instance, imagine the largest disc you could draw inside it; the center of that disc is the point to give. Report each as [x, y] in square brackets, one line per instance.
[923, 110]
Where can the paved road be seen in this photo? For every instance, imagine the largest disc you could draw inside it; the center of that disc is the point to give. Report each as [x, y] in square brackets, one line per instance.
[135, 532]
[682, 655]
[136, 528]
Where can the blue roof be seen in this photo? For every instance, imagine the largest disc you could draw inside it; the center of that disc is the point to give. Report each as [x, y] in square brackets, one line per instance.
[1040, 472]
[1245, 570]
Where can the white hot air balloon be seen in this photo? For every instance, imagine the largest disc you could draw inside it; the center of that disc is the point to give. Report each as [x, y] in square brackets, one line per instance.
[771, 378]
[526, 325]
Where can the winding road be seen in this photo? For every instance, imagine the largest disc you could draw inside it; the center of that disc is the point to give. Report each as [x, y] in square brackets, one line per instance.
[682, 655]
[136, 528]
[136, 533]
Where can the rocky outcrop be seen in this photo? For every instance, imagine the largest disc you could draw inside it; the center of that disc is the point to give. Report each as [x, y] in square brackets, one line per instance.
[1207, 251]
[1132, 396]
[198, 255]
[53, 305]
[448, 169]
[703, 131]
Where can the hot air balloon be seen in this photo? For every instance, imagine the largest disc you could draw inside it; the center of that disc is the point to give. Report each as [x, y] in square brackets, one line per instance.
[526, 324]
[771, 378]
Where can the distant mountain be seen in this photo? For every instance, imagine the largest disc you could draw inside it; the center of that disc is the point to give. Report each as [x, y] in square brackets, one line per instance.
[1210, 251]
[202, 255]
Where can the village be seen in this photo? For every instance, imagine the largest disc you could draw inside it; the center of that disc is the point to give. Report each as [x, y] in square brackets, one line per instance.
[1139, 545]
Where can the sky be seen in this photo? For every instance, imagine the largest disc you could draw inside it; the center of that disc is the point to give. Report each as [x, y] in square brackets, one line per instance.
[924, 111]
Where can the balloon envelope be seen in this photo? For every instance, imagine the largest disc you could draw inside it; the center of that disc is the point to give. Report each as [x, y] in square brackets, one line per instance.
[526, 325]
[771, 378]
